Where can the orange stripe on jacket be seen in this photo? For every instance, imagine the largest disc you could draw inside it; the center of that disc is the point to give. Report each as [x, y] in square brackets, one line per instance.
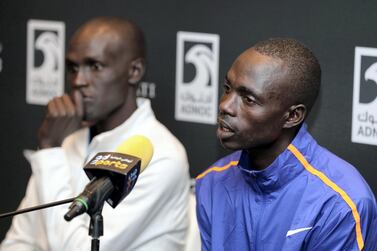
[336, 188]
[217, 169]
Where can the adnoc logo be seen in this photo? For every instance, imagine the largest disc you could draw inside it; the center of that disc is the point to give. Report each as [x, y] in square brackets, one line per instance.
[364, 112]
[197, 77]
[146, 90]
[45, 61]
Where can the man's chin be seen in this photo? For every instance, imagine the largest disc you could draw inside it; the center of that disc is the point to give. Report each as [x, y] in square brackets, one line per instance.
[88, 123]
[89, 119]
[230, 145]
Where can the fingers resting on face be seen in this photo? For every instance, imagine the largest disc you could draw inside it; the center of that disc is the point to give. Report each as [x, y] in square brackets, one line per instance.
[64, 116]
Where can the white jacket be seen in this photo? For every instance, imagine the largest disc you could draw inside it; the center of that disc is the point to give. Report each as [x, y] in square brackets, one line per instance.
[152, 217]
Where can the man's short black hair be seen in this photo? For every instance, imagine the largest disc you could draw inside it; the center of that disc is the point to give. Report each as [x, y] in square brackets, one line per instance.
[304, 71]
[127, 29]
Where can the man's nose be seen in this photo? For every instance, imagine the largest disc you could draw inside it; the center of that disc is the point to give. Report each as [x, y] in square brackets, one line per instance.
[80, 79]
[228, 104]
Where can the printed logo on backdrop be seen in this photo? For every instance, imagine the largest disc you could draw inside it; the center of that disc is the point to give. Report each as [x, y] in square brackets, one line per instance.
[197, 77]
[45, 61]
[364, 112]
[146, 90]
[1, 60]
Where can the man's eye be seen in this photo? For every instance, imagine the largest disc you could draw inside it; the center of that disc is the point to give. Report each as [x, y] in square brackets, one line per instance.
[72, 68]
[248, 100]
[226, 88]
[96, 66]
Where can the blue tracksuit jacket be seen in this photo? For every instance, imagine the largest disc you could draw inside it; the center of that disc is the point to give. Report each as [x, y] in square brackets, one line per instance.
[307, 199]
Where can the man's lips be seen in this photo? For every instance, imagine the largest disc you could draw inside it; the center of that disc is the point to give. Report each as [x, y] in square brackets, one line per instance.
[86, 98]
[225, 126]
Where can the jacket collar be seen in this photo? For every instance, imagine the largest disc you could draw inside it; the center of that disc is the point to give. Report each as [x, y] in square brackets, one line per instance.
[284, 168]
[105, 142]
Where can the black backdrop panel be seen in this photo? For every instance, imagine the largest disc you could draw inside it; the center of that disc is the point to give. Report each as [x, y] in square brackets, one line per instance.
[331, 29]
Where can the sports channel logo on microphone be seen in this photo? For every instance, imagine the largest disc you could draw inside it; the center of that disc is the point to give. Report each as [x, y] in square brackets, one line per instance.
[197, 69]
[364, 112]
[45, 61]
[116, 160]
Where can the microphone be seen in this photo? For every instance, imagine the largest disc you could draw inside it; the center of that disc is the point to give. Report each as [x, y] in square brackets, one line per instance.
[113, 175]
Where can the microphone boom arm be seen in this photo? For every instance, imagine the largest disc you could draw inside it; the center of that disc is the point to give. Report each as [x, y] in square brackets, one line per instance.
[30, 209]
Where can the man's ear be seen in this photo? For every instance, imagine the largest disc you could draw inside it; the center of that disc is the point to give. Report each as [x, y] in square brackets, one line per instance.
[295, 115]
[136, 71]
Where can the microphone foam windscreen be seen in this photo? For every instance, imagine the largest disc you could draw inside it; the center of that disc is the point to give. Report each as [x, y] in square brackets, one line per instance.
[138, 146]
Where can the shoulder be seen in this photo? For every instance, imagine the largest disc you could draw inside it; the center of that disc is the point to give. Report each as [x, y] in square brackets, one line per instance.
[166, 144]
[212, 186]
[341, 176]
[169, 159]
[220, 171]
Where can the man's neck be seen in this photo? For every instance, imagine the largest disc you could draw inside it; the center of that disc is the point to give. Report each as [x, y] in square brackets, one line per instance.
[262, 157]
[116, 118]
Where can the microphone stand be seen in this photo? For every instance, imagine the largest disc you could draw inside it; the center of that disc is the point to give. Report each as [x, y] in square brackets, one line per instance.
[96, 227]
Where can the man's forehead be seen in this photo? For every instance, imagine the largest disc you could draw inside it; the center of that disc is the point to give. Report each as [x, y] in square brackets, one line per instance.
[97, 43]
[251, 61]
[252, 64]
[95, 35]
[258, 72]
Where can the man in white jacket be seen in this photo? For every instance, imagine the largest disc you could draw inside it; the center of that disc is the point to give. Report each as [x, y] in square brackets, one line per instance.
[105, 63]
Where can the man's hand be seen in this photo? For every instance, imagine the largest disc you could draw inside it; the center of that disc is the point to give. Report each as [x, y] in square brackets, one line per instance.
[63, 117]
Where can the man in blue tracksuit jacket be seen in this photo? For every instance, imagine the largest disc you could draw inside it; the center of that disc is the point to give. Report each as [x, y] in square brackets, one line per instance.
[279, 190]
